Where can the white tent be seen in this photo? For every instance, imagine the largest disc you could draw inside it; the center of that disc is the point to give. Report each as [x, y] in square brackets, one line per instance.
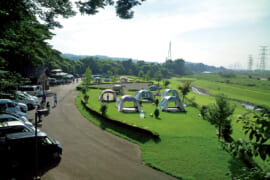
[145, 96]
[167, 101]
[170, 92]
[127, 98]
[119, 89]
[108, 95]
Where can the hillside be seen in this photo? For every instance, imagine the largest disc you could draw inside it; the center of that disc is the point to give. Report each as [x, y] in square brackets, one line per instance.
[194, 67]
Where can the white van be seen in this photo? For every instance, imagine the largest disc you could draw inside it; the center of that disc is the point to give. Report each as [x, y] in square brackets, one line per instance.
[35, 90]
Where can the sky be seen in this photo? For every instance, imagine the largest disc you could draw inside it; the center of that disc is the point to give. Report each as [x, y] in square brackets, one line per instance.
[213, 32]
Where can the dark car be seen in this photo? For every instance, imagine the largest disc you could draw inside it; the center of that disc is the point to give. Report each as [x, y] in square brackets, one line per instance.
[19, 149]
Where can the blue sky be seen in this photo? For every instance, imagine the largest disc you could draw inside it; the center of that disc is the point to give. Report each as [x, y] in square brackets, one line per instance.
[214, 32]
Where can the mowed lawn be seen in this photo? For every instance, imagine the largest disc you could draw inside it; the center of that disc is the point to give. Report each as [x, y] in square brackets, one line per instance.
[188, 147]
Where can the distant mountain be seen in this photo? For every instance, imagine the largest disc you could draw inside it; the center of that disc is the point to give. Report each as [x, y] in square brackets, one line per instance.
[200, 67]
[78, 57]
[194, 67]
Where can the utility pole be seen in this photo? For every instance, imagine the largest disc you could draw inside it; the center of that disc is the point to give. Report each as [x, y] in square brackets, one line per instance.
[262, 58]
[250, 62]
[169, 57]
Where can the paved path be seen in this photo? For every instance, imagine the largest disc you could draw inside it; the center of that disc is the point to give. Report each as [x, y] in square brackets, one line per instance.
[89, 152]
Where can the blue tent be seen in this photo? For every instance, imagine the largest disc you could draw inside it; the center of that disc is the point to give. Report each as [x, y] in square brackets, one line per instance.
[152, 88]
[178, 106]
[145, 96]
[170, 92]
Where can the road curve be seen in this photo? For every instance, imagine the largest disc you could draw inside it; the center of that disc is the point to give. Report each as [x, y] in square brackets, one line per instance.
[88, 151]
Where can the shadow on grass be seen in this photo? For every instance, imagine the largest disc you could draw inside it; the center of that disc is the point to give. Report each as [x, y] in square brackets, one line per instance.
[241, 168]
[132, 132]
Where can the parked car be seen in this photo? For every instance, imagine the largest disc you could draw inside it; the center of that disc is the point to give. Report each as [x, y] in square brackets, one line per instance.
[35, 90]
[14, 127]
[23, 118]
[27, 95]
[23, 107]
[8, 118]
[9, 106]
[52, 81]
[30, 102]
[20, 148]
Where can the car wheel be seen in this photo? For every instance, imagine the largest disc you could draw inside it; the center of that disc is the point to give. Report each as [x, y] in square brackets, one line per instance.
[30, 106]
[55, 155]
[22, 109]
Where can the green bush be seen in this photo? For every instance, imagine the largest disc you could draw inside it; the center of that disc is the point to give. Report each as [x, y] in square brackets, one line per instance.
[103, 109]
[156, 113]
[84, 90]
[156, 102]
[203, 111]
[86, 97]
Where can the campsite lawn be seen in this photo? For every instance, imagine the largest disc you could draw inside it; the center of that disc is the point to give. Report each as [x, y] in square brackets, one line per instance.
[188, 147]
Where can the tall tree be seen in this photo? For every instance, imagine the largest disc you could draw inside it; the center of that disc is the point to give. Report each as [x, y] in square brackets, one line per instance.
[218, 114]
[185, 88]
[158, 77]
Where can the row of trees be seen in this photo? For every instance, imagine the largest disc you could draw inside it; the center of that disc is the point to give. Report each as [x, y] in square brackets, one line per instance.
[140, 68]
[26, 28]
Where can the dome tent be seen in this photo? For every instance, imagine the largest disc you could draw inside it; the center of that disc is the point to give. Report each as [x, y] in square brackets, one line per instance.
[170, 92]
[108, 95]
[145, 96]
[152, 88]
[120, 105]
[178, 106]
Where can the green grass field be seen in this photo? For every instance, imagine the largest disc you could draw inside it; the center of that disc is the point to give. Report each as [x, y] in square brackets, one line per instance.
[188, 146]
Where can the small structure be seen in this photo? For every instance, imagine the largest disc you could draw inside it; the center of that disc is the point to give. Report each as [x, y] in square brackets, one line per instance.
[97, 80]
[119, 89]
[152, 88]
[170, 92]
[167, 102]
[127, 98]
[108, 95]
[145, 96]
[123, 79]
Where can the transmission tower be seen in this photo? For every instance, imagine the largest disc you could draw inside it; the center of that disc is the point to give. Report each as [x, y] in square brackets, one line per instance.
[250, 62]
[169, 57]
[262, 57]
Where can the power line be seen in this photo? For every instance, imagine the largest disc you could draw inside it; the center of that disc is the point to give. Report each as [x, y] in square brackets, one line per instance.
[262, 58]
[250, 62]
[169, 57]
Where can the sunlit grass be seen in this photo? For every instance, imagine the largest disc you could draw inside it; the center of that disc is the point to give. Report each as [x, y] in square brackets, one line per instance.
[188, 147]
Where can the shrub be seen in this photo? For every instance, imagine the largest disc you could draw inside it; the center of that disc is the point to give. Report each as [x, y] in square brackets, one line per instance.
[203, 111]
[156, 102]
[156, 113]
[103, 109]
[86, 97]
[84, 90]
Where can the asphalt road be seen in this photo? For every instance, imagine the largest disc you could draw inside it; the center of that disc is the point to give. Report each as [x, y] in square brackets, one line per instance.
[88, 151]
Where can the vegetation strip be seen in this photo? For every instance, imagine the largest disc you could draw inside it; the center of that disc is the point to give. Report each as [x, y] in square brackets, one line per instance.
[146, 132]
